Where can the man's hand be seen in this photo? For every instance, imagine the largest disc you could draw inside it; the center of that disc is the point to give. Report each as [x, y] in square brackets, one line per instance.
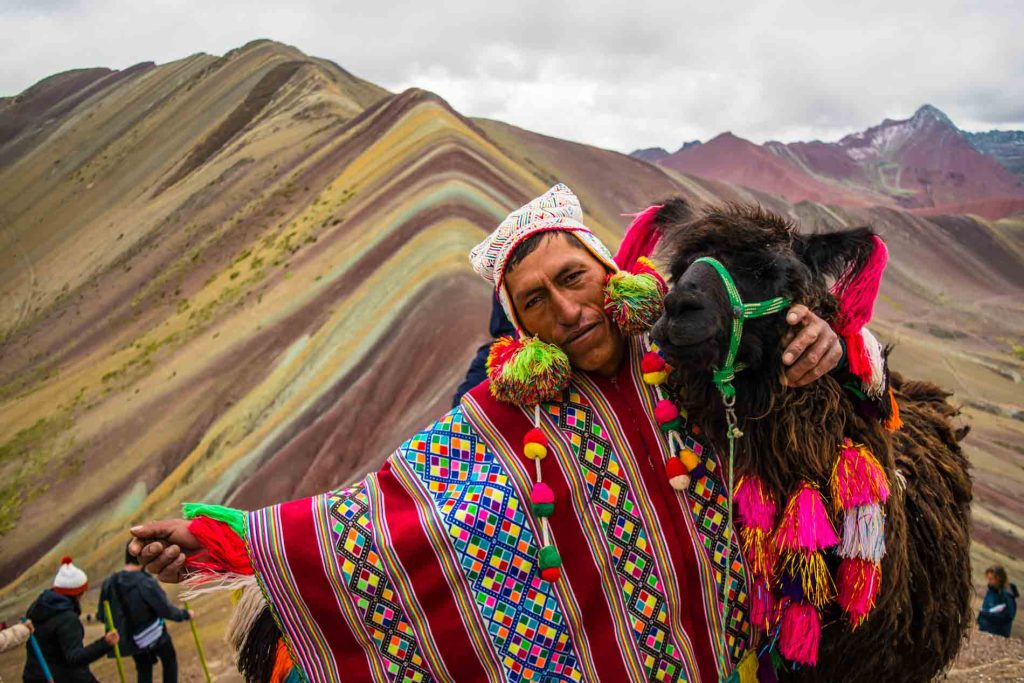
[111, 638]
[813, 348]
[31, 626]
[162, 547]
[191, 614]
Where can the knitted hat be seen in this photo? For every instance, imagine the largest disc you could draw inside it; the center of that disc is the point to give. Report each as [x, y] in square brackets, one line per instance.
[556, 209]
[526, 370]
[70, 580]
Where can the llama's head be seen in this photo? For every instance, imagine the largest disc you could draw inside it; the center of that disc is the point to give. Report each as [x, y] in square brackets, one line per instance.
[766, 258]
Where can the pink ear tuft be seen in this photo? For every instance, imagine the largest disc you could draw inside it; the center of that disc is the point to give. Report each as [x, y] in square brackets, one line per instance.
[640, 240]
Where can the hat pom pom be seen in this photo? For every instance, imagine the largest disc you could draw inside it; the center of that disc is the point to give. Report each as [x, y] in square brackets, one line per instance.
[634, 301]
[66, 559]
[527, 372]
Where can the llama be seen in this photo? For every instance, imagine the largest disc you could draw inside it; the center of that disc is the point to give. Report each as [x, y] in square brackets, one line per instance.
[791, 439]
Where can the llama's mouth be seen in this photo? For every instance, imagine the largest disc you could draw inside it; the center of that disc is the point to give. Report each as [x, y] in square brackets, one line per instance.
[669, 339]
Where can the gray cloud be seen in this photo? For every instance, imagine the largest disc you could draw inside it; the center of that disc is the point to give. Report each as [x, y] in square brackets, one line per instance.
[623, 76]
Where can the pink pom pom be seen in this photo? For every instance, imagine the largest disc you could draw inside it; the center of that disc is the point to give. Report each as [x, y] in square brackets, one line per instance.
[665, 411]
[755, 505]
[858, 478]
[805, 523]
[652, 362]
[542, 494]
[858, 581]
[800, 633]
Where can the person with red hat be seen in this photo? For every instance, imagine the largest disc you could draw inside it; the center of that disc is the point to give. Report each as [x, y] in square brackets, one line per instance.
[59, 631]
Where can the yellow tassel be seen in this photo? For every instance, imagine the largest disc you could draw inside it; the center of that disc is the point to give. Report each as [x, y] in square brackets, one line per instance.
[814, 576]
[655, 378]
[759, 551]
[748, 668]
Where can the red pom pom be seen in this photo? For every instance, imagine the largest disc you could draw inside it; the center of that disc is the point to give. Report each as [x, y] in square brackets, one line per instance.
[535, 436]
[551, 574]
[652, 362]
[665, 411]
[675, 467]
[66, 559]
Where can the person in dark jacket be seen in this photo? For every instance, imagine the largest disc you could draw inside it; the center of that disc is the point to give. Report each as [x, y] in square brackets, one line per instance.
[500, 327]
[59, 631]
[999, 607]
[139, 607]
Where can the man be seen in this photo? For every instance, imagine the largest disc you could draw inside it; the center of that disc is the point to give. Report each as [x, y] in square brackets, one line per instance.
[530, 534]
[139, 607]
[999, 607]
[59, 632]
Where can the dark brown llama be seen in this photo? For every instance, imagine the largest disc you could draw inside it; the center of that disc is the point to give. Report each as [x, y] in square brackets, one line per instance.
[923, 610]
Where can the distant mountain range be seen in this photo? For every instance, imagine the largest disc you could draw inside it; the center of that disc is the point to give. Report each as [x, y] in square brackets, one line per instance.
[924, 163]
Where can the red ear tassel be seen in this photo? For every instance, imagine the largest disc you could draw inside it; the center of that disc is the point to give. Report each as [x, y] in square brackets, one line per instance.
[856, 292]
[640, 239]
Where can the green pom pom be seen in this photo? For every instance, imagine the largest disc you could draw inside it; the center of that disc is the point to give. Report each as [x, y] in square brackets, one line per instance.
[672, 425]
[634, 301]
[543, 509]
[549, 557]
[531, 371]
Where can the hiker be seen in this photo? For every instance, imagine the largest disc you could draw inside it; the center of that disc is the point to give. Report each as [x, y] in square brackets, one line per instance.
[139, 607]
[59, 631]
[1000, 604]
[13, 636]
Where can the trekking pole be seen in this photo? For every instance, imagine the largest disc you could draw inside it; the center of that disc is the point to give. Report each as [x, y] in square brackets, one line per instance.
[199, 646]
[34, 644]
[117, 648]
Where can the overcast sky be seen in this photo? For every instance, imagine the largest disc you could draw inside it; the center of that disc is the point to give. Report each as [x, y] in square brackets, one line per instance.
[621, 75]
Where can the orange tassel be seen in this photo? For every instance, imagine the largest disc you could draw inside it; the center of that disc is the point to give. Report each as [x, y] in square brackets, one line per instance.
[893, 423]
[282, 663]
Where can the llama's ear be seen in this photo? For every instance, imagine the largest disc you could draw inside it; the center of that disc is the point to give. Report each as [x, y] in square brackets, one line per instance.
[834, 253]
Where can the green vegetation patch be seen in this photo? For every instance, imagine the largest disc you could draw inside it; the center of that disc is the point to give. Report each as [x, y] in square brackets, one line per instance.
[25, 458]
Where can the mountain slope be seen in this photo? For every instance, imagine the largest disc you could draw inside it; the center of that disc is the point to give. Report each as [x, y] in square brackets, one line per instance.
[244, 279]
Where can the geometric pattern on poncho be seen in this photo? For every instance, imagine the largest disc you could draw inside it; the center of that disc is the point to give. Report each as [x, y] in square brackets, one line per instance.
[628, 543]
[495, 548]
[710, 511]
[375, 598]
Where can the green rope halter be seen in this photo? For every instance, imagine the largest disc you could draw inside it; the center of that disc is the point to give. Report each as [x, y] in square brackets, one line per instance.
[724, 375]
[722, 378]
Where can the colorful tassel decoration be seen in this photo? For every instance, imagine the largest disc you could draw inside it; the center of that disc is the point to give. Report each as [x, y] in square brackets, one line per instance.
[762, 604]
[527, 371]
[805, 531]
[535, 444]
[805, 522]
[858, 582]
[800, 633]
[857, 478]
[864, 533]
[760, 551]
[634, 301]
[893, 422]
[755, 505]
[856, 292]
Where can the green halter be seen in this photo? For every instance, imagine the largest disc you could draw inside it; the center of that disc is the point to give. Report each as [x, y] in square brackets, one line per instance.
[724, 375]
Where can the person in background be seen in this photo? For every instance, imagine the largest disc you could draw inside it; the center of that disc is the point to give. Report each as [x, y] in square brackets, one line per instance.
[59, 631]
[139, 607]
[14, 636]
[1000, 604]
[500, 327]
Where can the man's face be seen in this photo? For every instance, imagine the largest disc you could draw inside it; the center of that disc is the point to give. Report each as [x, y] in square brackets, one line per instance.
[558, 294]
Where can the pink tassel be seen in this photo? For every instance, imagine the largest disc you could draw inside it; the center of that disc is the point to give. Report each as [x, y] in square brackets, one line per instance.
[755, 505]
[856, 292]
[762, 604]
[858, 478]
[858, 581]
[805, 523]
[640, 239]
[800, 633]
[760, 551]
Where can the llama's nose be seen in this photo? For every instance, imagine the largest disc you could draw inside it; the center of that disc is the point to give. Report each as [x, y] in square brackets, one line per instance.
[681, 302]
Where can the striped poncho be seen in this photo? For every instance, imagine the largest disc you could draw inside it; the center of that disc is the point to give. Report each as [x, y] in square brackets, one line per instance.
[427, 569]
